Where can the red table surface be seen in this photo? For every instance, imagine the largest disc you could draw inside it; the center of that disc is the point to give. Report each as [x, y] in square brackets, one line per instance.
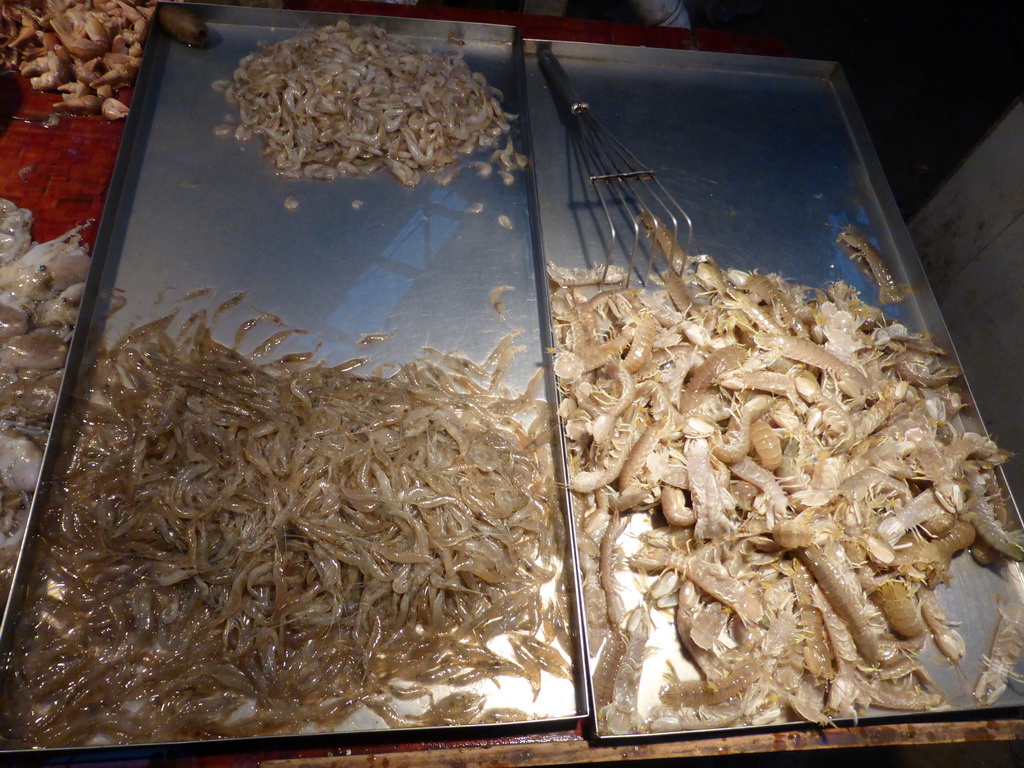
[62, 174]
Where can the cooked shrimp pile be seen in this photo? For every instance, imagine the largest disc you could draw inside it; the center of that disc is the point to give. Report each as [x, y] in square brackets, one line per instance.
[795, 453]
[349, 100]
[41, 285]
[236, 548]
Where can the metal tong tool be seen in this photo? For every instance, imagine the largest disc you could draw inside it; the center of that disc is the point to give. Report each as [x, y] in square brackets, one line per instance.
[624, 185]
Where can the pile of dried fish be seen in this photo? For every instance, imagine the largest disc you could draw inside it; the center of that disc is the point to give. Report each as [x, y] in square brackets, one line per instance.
[40, 288]
[347, 100]
[87, 50]
[796, 455]
[236, 547]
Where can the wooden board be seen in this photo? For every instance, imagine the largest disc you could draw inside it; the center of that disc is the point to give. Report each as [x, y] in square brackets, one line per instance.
[573, 749]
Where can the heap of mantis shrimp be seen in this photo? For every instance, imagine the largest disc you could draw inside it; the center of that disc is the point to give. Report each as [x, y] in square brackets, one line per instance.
[778, 472]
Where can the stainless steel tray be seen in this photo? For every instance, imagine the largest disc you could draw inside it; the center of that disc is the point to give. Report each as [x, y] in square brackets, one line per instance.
[770, 158]
[190, 210]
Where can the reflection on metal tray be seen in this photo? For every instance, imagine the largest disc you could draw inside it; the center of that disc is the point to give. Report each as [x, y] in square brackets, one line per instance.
[771, 161]
[195, 218]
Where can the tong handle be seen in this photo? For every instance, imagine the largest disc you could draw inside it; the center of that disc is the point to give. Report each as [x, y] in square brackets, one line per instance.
[551, 67]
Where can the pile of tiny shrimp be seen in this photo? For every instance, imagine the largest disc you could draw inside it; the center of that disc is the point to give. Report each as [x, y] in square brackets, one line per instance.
[347, 100]
[795, 453]
[41, 285]
[236, 548]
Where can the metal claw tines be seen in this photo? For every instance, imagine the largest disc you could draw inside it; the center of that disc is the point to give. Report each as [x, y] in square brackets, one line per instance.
[634, 200]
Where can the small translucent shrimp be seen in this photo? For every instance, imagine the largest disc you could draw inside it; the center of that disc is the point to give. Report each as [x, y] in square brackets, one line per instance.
[766, 444]
[712, 276]
[765, 288]
[981, 512]
[602, 275]
[376, 338]
[497, 300]
[608, 468]
[800, 531]
[716, 365]
[637, 459]
[665, 238]
[736, 443]
[809, 703]
[749, 470]
[501, 349]
[715, 580]
[816, 650]
[914, 513]
[641, 345]
[607, 567]
[857, 246]
[874, 417]
[695, 694]
[888, 695]
[932, 558]
[947, 639]
[844, 594]
[1007, 646]
[501, 358]
[899, 606]
[621, 716]
[708, 505]
[675, 509]
[809, 353]
[503, 715]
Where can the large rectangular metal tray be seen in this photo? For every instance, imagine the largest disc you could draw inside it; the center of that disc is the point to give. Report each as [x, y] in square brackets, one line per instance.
[195, 218]
[770, 158]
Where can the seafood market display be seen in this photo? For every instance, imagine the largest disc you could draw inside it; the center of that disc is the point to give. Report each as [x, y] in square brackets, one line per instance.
[85, 49]
[780, 469]
[245, 545]
[347, 100]
[775, 495]
[40, 288]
